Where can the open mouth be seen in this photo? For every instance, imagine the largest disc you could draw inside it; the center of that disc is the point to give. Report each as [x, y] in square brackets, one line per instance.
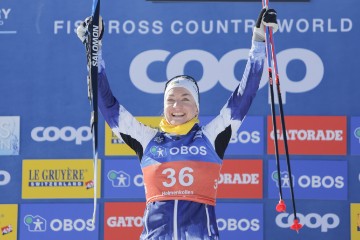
[178, 114]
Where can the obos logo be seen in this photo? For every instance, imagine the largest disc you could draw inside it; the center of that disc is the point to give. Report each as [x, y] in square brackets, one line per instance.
[58, 221]
[5, 177]
[67, 134]
[185, 150]
[240, 221]
[246, 137]
[305, 181]
[158, 151]
[39, 224]
[243, 224]
[323, 180]
[324, 222]
[119, 179]
[212, 66]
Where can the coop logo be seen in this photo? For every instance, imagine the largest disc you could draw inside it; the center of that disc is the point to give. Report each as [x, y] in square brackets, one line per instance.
[305, 181]
[176, 63]
[185, 150]
[5, 177]
[158, 151]
[243, 224]
[324, 223]
[67, 134]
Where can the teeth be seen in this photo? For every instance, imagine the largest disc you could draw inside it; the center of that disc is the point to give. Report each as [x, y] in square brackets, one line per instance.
[178, 114]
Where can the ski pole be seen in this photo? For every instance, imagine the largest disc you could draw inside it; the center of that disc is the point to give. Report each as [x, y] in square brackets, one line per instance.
[271, 46]
[92, 49]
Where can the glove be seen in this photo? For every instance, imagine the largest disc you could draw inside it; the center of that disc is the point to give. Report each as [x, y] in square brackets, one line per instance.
[267, 18]
[83, 29]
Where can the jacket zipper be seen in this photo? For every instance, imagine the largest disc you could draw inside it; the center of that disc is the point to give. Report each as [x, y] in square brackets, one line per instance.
[175, 220]
[207, 220]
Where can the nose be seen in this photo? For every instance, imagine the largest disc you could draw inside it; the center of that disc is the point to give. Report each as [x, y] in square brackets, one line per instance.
[176, 104]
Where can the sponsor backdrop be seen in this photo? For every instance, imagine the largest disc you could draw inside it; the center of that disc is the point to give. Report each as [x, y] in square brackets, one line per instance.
[46, 173]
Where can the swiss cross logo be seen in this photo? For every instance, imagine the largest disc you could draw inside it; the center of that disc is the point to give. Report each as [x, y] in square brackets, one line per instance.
[310, 135]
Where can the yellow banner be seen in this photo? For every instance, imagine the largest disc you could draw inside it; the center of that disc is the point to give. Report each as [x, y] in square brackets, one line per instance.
[116, 147]
[355, 221]
[59, 178]
[8, 221]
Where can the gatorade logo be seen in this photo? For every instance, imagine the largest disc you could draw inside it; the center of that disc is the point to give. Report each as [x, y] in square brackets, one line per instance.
[311, 135]
[240, 179]
[123, 219]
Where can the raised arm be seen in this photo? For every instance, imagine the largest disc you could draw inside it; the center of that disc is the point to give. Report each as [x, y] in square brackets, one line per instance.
[237, 106]
[122, 123]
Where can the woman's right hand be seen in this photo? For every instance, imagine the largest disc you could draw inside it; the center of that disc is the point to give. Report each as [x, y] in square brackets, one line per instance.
[83, 29]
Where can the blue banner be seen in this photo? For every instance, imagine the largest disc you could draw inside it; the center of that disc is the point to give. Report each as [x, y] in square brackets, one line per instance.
[45, 111]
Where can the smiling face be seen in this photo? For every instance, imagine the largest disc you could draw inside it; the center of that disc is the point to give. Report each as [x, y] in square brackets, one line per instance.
[179, 106]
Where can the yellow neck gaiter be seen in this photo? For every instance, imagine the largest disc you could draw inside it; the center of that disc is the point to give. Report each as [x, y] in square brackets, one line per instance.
[179, 129]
